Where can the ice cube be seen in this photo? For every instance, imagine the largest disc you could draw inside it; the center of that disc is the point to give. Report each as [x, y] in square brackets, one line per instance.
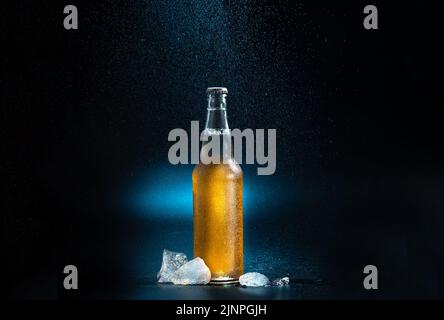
[171, 261]
[280, 282]
[253, 279]
[192, 272]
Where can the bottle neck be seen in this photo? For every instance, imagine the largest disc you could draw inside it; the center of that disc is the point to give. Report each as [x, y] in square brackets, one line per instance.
[216, 127]
[217, 113]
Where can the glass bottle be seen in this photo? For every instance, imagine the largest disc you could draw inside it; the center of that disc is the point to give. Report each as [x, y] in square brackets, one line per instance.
[217, 200]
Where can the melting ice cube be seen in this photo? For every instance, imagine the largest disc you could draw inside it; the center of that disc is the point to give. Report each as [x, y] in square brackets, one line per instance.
[253, 279]
[280, 282]
[171, 262]
[192, 272]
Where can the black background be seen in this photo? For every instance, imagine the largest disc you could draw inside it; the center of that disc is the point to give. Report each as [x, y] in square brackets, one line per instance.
[357, 113]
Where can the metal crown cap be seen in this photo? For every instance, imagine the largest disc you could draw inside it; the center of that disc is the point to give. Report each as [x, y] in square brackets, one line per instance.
[217, 90]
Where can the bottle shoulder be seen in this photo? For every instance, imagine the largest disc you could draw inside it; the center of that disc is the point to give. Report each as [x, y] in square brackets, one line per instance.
[223, 170]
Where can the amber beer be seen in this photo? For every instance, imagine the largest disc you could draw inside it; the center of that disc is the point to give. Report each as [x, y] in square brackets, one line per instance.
[217, 202]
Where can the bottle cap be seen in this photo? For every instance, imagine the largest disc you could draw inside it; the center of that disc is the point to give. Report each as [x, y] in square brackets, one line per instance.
[217, 90]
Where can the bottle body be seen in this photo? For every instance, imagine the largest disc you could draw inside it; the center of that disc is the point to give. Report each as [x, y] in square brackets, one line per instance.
[218, 219]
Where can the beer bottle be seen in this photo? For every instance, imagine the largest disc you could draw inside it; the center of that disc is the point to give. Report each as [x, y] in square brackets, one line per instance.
[217, 198]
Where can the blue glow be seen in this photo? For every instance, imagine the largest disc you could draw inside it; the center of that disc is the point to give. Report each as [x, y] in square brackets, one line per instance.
[167, 191]
[163, 191]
